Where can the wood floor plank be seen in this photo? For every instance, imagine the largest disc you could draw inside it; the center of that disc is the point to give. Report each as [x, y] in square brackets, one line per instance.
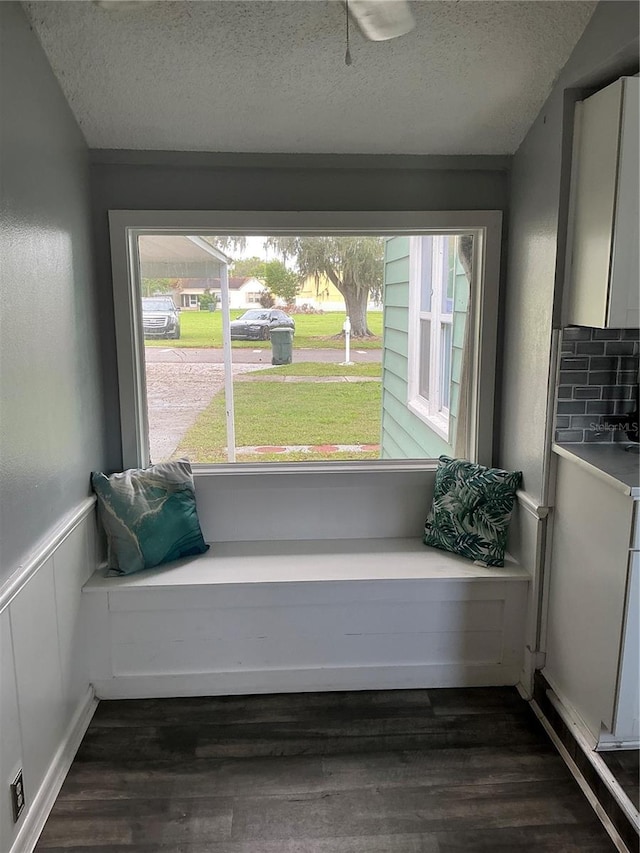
[390, 811]
[279, 707]
[527, 839]
[199, 777]
[307, 774]
[302, 737]
[86, 824]
[476, 700]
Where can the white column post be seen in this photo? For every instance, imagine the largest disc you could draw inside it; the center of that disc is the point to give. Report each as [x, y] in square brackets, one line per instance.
[228, 373]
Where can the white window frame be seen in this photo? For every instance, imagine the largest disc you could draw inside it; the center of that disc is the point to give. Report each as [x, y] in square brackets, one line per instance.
[428, 408]
[127, 225]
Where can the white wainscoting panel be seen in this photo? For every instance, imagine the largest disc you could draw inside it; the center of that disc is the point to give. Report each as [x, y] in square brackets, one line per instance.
[34, 629]
[72, 568]
[10, 737]
[46, 700]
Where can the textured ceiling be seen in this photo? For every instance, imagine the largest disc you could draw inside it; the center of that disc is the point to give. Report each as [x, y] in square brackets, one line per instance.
[270, 76]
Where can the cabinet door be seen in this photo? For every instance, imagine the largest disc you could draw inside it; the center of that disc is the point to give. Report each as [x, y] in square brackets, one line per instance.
[594, 190]
[603, 286]
[624, 302]
[587, 591]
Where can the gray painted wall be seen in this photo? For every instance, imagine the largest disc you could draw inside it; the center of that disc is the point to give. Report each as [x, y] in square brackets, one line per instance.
[537, 237]
[191, 181]
[51, 432]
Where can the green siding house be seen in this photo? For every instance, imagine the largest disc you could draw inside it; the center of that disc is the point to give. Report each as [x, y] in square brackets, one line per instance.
[423, 349]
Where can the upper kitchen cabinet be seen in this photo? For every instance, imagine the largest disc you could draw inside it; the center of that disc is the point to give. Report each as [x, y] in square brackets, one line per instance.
[603, 287]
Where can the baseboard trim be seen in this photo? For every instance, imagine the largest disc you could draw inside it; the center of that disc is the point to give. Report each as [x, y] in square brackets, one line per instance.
[609, 743]
[41, 805]
[582, 782]
[316, 679]
[579, 743]
[585, 744]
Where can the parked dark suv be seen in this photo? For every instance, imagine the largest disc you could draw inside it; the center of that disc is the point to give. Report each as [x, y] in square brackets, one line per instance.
[160, 317]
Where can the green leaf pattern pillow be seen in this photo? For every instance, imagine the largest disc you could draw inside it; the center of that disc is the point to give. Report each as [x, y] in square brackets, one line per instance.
[471, 510]
[149, 515]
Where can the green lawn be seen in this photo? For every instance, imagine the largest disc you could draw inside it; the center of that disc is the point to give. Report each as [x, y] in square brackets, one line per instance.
[283, 414]
[204, 329]
[318, 368]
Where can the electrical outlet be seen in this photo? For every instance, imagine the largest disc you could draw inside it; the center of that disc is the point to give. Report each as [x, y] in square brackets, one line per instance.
[17, 796]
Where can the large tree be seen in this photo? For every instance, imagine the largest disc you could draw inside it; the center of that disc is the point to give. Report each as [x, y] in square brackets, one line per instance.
[352, 264]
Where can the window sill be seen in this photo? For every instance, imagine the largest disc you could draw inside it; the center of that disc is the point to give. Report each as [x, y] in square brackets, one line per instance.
[379, 466]
[437, 423]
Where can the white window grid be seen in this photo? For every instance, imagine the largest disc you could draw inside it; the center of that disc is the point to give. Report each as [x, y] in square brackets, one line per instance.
[429, 258]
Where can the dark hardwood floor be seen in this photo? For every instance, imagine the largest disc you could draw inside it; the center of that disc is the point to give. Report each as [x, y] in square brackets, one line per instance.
[625, 766]
[419, 771]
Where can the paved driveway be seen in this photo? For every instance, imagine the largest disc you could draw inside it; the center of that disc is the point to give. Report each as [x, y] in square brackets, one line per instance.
[176, 394]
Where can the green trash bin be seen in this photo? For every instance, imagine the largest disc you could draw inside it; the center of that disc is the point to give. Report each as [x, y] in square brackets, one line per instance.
[281, 346]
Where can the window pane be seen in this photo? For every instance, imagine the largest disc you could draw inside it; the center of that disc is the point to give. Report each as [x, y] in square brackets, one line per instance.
[451, 260]
[426, 265]
[445, 365]
[303, 397]
[425, 357]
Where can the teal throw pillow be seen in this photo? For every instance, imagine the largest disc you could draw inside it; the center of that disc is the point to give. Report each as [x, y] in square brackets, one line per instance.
[471, 510]
[149, 515]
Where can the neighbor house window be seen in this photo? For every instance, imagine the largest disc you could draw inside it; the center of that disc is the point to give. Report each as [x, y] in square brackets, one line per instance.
[439, 347]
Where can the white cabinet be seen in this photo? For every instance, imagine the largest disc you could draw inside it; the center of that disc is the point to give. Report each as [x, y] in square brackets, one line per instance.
[603, 289]
[592, 627]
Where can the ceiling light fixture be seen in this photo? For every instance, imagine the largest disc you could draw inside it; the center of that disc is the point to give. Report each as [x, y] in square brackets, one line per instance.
[381, 20]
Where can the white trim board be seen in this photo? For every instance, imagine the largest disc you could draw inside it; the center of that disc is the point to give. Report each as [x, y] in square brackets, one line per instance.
[582, 782]
[41, 554]
[43, 801]
[318, 679]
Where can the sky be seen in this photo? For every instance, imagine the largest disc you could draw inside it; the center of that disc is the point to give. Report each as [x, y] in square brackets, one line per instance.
[255, 248]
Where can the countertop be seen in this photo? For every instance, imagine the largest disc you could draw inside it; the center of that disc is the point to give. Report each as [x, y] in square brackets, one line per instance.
[608, 461]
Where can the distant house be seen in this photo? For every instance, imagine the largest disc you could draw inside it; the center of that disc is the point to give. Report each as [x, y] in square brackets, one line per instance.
[244, 292]
[320, 293]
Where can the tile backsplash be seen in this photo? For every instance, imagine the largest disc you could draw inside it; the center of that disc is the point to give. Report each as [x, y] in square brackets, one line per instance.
[597, 383]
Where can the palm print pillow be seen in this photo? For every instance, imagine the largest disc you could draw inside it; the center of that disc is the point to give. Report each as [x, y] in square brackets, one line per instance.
[471, 510]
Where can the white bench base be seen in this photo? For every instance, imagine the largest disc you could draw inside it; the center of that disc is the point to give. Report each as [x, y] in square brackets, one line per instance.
[270, 617]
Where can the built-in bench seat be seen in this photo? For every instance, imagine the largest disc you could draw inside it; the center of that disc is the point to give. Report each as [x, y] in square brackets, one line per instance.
[252, 617]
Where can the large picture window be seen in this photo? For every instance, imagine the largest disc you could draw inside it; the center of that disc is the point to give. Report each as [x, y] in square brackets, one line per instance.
[391, 359]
